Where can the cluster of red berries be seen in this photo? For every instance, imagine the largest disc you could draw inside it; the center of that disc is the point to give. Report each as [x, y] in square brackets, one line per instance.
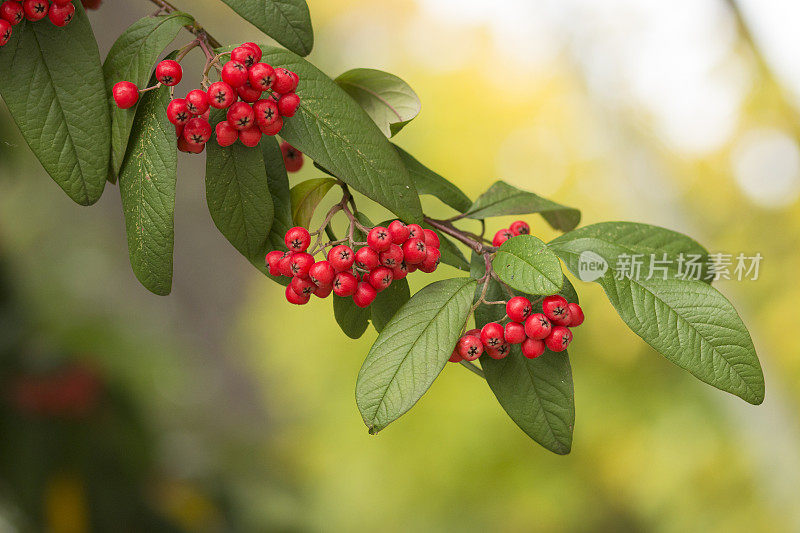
[517, 228]
[534, 331]
[256, 95]
[390, 254]
[12, 12]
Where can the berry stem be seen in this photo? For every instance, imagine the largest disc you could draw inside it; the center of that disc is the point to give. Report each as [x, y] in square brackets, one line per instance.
[472, 367]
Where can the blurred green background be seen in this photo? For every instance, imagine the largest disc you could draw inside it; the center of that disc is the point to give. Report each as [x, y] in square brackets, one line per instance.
[222, 408]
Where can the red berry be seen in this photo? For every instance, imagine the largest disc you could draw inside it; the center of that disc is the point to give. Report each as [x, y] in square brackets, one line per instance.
[248, 93]
[178, 112]
[455, 357]
[197, 131]
[126, 94]
[341, 257]
[61, 15]
[234, 74]
[197, 102]
[345, 284]
[293, 298]
[411, 268]
[431, 261]
[379, 239]
[255, 48]
[300, 264]
[35, 9]
[221, 95]
[367, 258]
[415, 232]
[297, 239]
[250, 137]
[532, 348]
[285, 265]
[5, 32]
[288, 104]
[398, 231]
[324, 291]
[559, 339]
[179, 130]
[240, 116]
[273, 258]
[430, 238]
[60, 2]
[261, 76]
[169, 72]
[469, 347]
[292, 157]
[285, 81]
[414, 251]
[245, 55]
[518, 308]
[492, 335]
[392, 257]
[474, 333]
[303, 286]
[501, 236]
[226, 134]
[380, 278]
[189, 148]
[576, 315]
[91, 4]
[537, 326]
[400, 271]
[322, 273]
[498, 352]
[365, 294]
[556, 309]
[272, 129]
[266, 112]
[514, 333]
[12, 13]
[520, 228]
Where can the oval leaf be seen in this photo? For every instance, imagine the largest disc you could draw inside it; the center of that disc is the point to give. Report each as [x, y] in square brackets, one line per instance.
[526, 264]
[278, 184]
[502, 199]
[52, 83]
[353, 320]
[147, 187]
[286, 21]
[131, 58]
[306, 196]
[411, 351]
[388, 100]
[388, 301]
[429, 182]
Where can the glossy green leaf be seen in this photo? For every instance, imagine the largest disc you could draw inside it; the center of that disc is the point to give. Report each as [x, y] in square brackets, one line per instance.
[306, 196]
[388, 100]
[353, 320]
[503, 199]
[52, 82]
[411, 351]
[526, 264]
[278, 184]
[388, 302]
[429, 182]
[286, 21]
[147, 185]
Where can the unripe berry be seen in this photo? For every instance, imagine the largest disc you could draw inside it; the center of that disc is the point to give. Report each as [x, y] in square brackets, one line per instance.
[197, 131]
[469, 347]
[532, 348]
[501, 236]
[365, 294]
[285, 265]
[248, 93]
[430, 238]
[345, 284]
[322, 273]
[538, 326]
[226, 134]
[294, 298]
[197, 102]
[378, 239]
[556, 308]
[261, 76]
[415, 232]
[250, 137]
[514, 333]
[303, 286]
[431, 261]
[498, 352]
[35, 9]
[234, 74]
[297, 239]
[288, 104]
[576, 315]
[245, 55]
[266, 112]
[341, 257]
[126, 94]
[169, 72]
[178, 112]
[367, 258]
[5, 32]
[519, 308]
[272, 129]
[292, 157]
[273, 258]
[61, 15]
[189, 148]
[414, 251]
[492, 335]
[559, 339]
[400, 271]
[221, 95]
[399, 232]
[240, 116]
[285, 81]
[392, 257]
[380, 278]
[300, 264]
[520, 228]
[12, 13]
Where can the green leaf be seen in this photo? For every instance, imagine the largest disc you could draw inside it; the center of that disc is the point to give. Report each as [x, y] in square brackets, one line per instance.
[278, 184]
[52, 83]
[131, 58]
[335, 132]
[388, 301]
[352, 319]
[429, 182]
[286, 21]
[147, 186]
[238, 196]
[306, 196]
[526, 264]
[502, 199]
[388, 100]
[411, 351]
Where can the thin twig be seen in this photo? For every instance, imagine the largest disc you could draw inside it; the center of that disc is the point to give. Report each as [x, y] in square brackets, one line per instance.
[195, 28]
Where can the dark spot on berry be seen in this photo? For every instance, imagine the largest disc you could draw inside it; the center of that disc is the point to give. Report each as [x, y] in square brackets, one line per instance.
[166, 80]
[244, 121]
[197, 139]
[472, 350]
[386, 280]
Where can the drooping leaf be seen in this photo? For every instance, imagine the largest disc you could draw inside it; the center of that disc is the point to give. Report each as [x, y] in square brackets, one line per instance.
[411, 351]
[503, 199]
[388, 100]
[306, 196]
[286, 21]
[526, 264]
[278, 184]
[429, 182]
[353, 320]
[52, 82]
[388, 301]
[147, 185]
[238, 196]
[132, 58]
